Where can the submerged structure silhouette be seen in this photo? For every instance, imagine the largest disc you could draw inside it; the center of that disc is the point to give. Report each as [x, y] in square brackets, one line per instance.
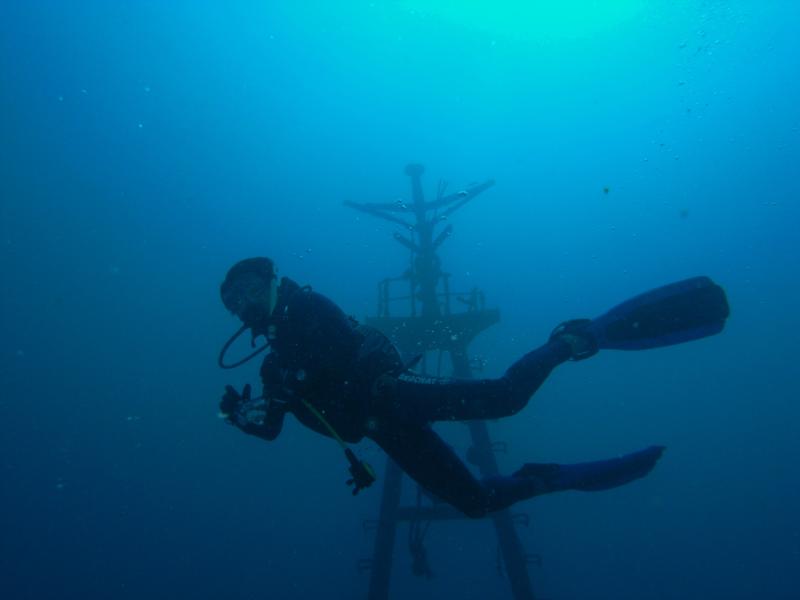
[431, 323]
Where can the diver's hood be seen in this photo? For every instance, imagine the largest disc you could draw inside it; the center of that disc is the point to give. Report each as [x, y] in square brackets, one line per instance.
[261, 325]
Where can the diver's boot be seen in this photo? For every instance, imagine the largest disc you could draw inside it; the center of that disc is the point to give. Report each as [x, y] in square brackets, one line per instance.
[592, 476]
[578, 336]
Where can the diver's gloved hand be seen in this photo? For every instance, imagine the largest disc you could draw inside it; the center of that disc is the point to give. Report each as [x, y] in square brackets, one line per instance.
[242, 410]
[232, 401]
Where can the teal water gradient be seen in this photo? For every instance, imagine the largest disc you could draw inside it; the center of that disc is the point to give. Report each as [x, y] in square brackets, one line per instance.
[145, 146]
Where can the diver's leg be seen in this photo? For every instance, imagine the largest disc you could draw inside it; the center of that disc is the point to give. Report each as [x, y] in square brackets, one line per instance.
[428, 399]
[433, 464]
[427, 459]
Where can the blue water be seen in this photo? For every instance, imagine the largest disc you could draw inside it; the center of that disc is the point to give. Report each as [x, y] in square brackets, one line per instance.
[146, 146]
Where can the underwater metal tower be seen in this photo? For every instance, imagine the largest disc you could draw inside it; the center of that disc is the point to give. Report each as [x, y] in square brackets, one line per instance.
[430, 325]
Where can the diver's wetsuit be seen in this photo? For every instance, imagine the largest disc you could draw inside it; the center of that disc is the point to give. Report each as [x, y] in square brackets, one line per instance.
[355, 377]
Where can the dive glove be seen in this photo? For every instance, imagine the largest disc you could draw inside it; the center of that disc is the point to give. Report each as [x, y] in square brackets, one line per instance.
[233, 400]
[242, 410]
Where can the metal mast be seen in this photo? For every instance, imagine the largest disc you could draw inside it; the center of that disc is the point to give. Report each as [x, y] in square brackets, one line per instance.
[431, 325]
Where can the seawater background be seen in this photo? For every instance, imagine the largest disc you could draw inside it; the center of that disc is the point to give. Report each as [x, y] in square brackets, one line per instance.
[147, 146]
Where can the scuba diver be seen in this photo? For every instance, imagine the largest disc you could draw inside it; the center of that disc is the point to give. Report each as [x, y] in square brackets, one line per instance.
[347, 381]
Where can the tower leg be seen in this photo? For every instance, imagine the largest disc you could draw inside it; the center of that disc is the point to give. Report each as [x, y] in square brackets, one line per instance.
[381, 571]
[510, 545]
